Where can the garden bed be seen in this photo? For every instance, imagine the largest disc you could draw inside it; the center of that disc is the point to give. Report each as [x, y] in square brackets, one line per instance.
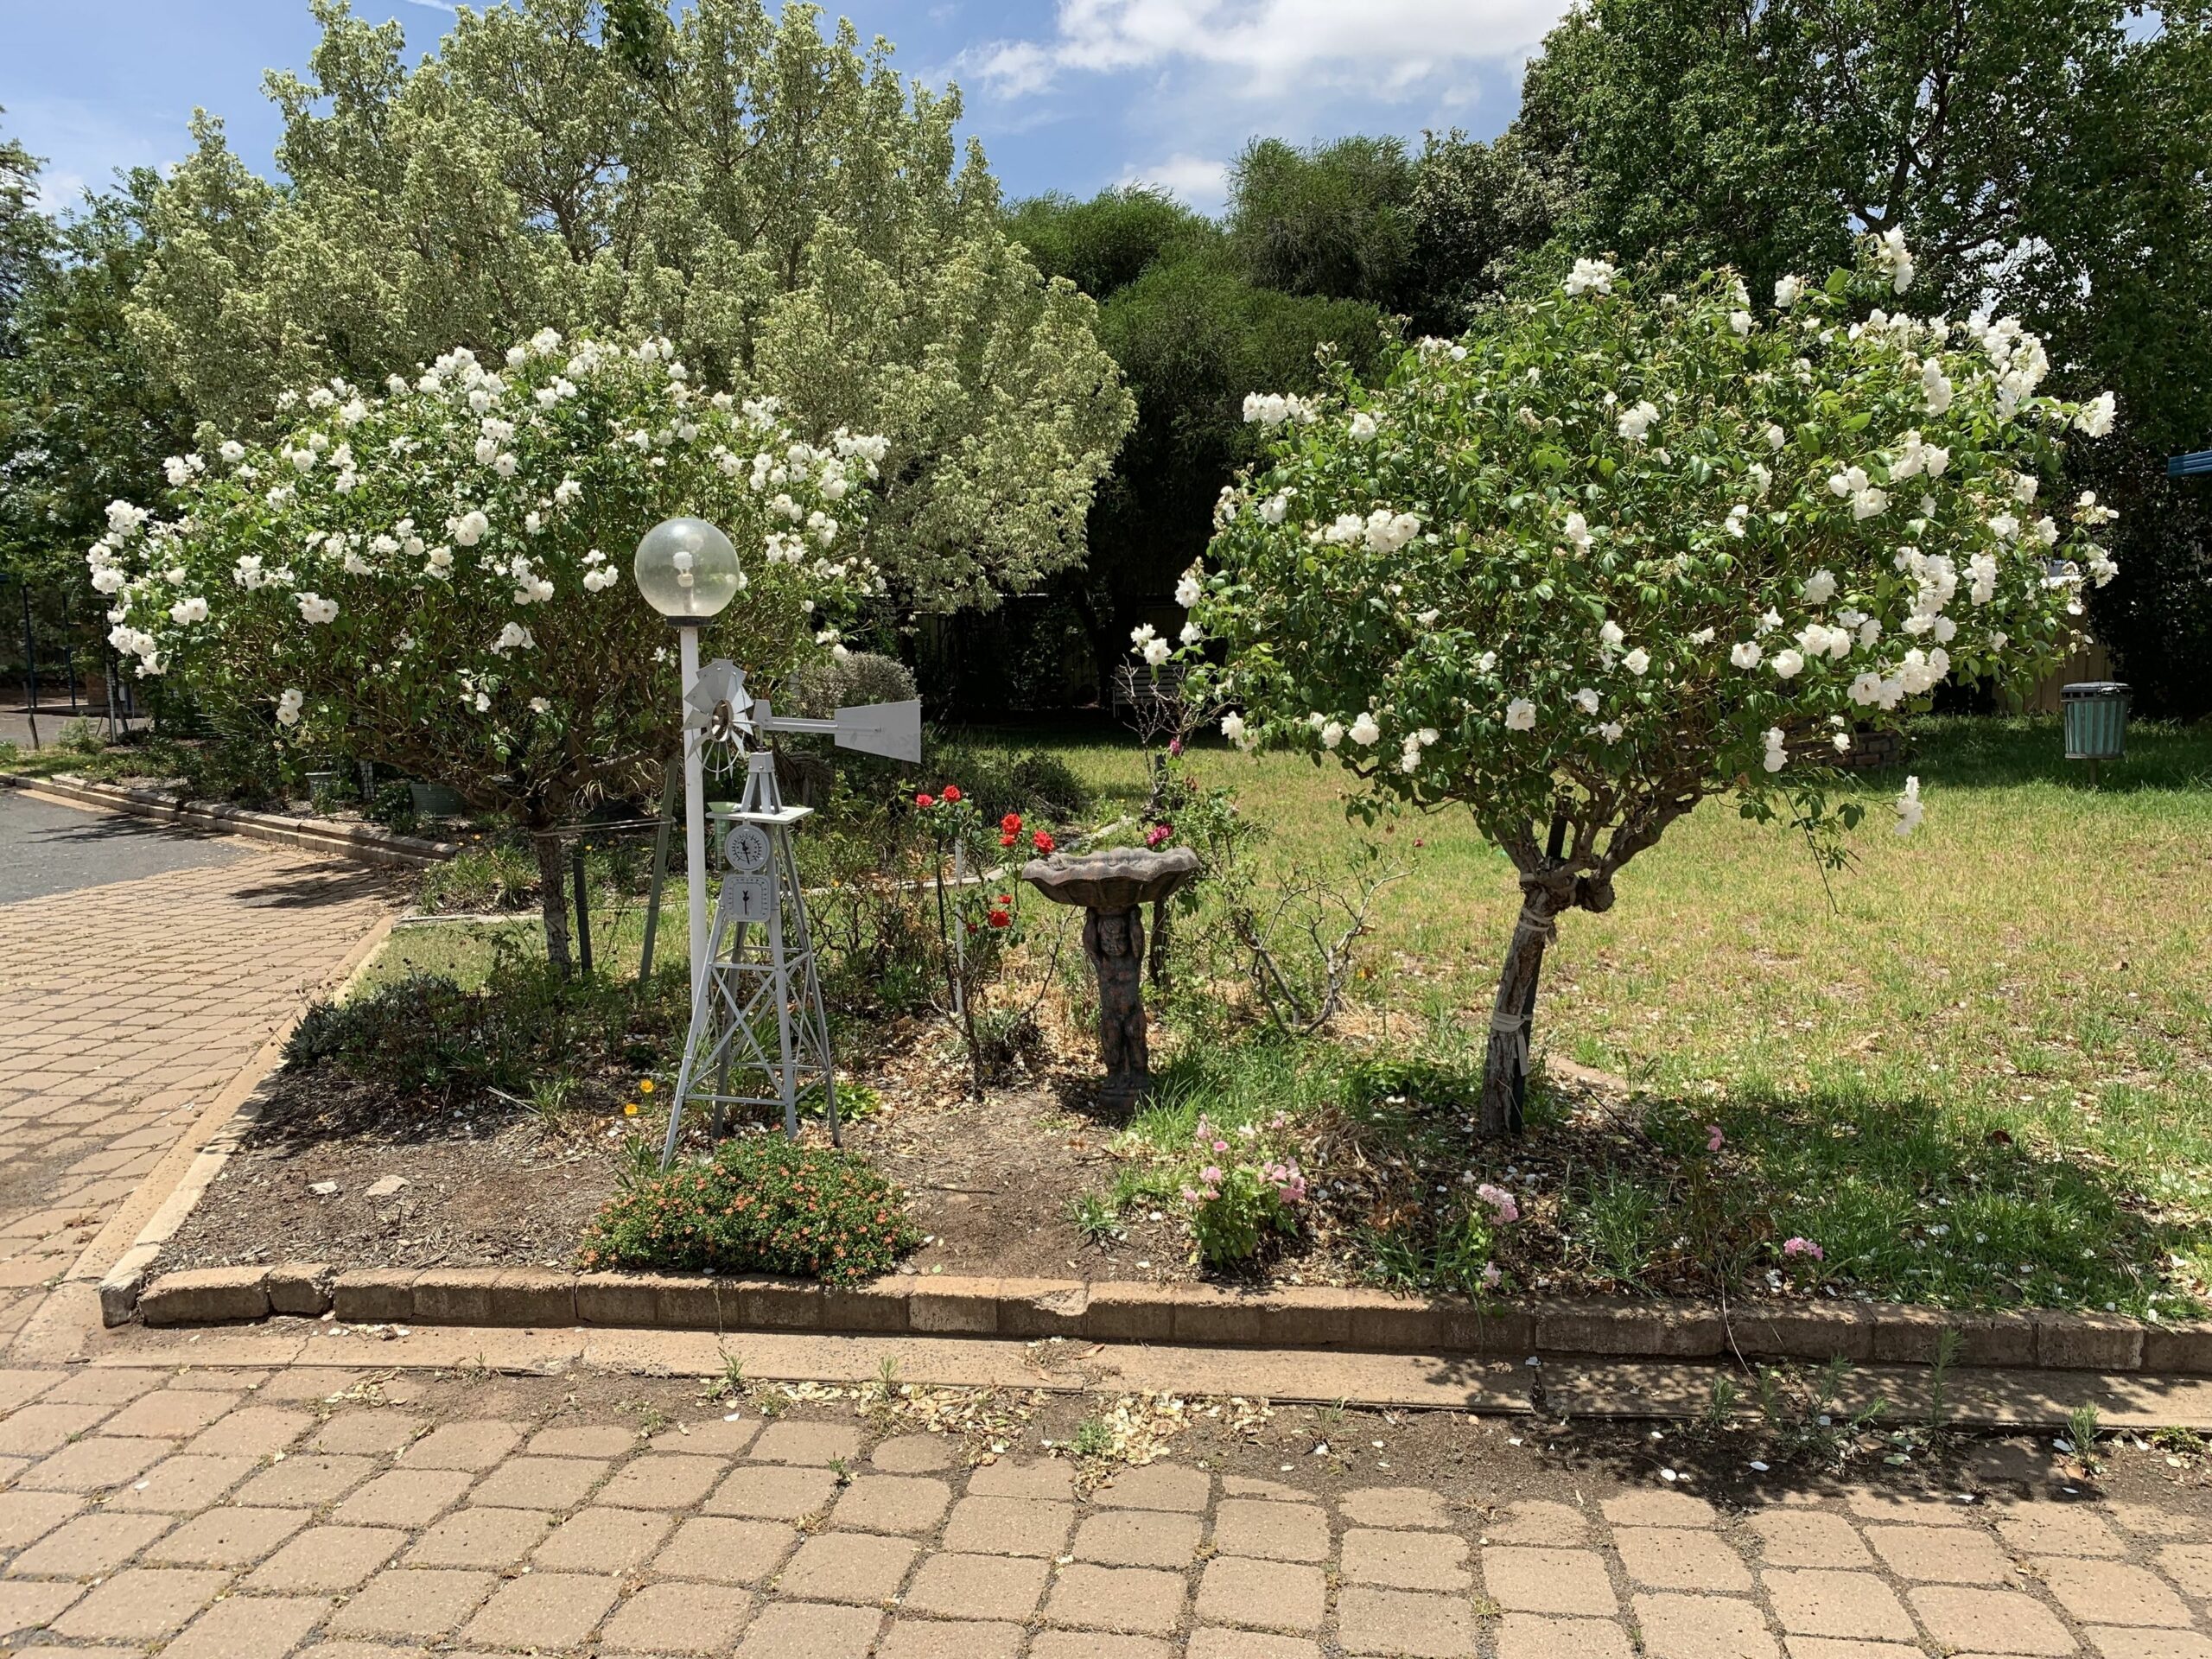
[994, 1183]
[2022, 1131]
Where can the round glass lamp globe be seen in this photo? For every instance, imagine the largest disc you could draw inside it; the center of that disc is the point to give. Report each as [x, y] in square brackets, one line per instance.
[687, 570]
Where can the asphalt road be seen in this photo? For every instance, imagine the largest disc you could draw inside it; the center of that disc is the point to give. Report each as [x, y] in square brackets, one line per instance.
[46, 849]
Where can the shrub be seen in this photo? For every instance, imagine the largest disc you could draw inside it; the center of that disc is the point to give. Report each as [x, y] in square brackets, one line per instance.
[500, 874]
[763, 1205]
[1030, 782]
[425, 1035]
[422, 1033]
[818, 689]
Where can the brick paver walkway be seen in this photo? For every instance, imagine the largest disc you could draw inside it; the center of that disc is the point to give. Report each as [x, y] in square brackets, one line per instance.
[124, 1008]
[249, 1515]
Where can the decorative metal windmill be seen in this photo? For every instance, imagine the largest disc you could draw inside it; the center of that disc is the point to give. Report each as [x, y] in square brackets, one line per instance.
[760, 968]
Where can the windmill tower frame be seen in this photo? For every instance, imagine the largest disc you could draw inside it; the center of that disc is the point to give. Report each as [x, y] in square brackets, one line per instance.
[761, 967]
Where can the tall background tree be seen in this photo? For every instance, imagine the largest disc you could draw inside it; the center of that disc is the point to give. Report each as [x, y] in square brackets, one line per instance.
[83, 419]
[23, 232]
[798, 217]
[2051, 158]
[1193, 333]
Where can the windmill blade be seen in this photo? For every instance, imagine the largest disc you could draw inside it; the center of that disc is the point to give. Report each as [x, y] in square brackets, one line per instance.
[721, 684]
[891, 729]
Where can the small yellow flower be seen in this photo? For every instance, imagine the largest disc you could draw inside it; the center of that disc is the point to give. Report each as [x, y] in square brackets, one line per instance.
[646, 1087]
[629, 1108]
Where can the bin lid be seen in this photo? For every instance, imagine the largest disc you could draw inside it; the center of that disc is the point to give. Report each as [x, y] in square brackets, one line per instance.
[2095, 689]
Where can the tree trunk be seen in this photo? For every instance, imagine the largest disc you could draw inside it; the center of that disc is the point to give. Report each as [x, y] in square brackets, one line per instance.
[1104, 657]
[553, 902]
[1506, 1063]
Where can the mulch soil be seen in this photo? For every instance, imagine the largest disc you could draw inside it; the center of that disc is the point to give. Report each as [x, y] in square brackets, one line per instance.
[484, 1181]
[488, 1183]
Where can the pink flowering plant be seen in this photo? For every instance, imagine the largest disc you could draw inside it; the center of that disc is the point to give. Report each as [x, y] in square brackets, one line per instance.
[1243, 1185]
[1618, 550]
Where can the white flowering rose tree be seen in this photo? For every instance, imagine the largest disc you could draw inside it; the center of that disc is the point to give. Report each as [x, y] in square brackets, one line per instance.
[1617, 552]
[436, 578]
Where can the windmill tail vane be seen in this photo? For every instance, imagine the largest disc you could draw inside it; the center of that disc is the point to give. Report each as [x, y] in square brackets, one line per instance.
[759, 1035]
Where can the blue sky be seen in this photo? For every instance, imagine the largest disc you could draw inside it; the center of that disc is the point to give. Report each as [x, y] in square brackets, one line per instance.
[1075, 95]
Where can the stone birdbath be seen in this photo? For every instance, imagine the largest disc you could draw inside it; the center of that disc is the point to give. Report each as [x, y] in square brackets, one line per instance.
[1111, 886]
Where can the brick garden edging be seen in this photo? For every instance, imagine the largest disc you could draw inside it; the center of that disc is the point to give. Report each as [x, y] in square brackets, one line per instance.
[370, 844]
[1197, 1315]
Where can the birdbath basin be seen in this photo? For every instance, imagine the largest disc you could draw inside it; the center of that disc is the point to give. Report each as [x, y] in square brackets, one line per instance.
[1110, 886]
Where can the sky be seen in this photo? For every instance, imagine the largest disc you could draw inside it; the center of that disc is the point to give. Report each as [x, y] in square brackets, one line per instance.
[1070, 95]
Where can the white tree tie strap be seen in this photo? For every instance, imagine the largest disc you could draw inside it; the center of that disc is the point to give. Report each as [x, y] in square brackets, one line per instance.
[1539, 921]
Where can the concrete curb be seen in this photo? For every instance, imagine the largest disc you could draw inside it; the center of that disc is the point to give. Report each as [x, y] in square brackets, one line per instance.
[1190, 1315]
[368, 844]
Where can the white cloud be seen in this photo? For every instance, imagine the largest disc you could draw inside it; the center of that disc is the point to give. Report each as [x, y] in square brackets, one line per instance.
[1391, 48]
[1191, 179]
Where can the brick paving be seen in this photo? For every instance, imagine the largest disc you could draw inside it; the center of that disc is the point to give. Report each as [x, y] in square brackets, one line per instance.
[124, 1008]
[485, 1516]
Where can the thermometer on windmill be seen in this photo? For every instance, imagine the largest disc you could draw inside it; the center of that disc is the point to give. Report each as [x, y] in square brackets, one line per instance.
[759, 1035]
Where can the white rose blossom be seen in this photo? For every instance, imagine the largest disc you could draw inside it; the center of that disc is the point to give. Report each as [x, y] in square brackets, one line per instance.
[1589, 277]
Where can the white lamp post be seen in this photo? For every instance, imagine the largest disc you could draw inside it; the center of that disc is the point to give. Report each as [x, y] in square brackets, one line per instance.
[688, 571]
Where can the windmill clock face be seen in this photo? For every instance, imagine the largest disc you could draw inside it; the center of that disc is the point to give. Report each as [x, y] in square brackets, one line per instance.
[746, 847]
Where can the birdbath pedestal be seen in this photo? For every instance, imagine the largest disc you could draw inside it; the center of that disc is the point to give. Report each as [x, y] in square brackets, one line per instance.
[1111, 886]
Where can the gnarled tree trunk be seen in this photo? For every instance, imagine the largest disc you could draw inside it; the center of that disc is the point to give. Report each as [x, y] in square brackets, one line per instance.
[553, 902]
[1505, 1065]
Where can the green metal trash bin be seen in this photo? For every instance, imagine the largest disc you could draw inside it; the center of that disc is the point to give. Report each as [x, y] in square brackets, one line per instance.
[2097, 719]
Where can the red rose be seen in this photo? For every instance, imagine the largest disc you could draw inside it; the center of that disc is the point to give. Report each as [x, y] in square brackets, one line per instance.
[1006, 839]
[953, 791]
[925, 800]
[1011, 824]
[1000, 918]
[1041, 841]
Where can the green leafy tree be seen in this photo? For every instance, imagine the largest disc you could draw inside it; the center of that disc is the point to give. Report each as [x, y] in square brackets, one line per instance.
[434, 577]
[796, 216]
[2050, 158]
[1482, 214]
[82, 420]
[1191, 336]
[1622, 550]
[1335, 220]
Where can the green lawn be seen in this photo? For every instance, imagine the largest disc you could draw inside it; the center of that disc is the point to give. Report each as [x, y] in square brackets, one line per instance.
[1982, 1049]
[1976, 1065]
